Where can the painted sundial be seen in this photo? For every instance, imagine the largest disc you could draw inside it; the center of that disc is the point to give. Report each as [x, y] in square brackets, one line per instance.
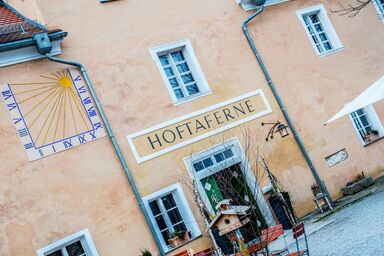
[52, 114]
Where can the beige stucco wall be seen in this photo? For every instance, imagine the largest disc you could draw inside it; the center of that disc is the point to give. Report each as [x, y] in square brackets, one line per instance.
[85, 187]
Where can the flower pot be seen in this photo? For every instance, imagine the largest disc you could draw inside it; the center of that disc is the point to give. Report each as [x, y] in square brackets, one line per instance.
[371, 137]
[177, 241]
[357, 186]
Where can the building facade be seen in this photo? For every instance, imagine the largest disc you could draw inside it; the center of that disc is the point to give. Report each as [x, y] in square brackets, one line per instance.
[186, 99]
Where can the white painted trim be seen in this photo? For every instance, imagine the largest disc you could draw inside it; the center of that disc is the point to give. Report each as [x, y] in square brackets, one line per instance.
[327, 26]
[245, 168]
[26, 54]
[84, 234]
[182, 205]
[374, 120]
[140, 159]
[194, 66]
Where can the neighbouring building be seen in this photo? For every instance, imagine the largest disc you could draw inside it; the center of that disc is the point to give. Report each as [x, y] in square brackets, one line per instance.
[185, 98]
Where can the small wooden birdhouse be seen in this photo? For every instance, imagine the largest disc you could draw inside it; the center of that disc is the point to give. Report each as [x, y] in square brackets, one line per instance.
[229, 217]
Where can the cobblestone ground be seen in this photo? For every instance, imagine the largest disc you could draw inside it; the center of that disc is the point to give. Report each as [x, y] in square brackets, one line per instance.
[358, 230]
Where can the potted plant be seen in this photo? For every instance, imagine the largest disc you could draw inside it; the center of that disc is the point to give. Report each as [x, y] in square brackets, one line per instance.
[145, 252]
[178, 238]
[359, 183]
[371, 136]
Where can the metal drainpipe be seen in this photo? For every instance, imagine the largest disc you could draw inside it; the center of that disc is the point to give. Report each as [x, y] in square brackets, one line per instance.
[279, 101]
[115, 145]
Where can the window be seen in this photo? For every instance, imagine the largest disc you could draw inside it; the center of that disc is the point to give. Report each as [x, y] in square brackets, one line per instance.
[78, 244]
[169, 213]
[379, 4]
[213, 159]
[319, 30]
[180, 71]
[367, 124]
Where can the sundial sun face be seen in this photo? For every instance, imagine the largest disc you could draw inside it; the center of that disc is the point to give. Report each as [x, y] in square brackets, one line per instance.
[53, 114]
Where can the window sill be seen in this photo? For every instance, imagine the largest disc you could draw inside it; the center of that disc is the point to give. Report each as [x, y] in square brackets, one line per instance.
[330, 52]
[371, 142]
[188, 99]
[177, 247]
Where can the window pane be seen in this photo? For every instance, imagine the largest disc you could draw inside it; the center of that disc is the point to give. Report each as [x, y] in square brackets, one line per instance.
[177, 56]
[228, 153]
[56, 253]
[154, 208]
[360, 112]
[180, 227]
[208, 162]
[169, 71]
[219, 157]
[165, 235]
[173, 82]
[314, 18]
[187, 78]
[179, 93]
[75, 249]
[192, 89]
[182, 67]
[164, 60]
[315, 39]
[174, 216]
[198, 166]
[318, 28]
[327, 46]
[160, 222]
[306, 20]
[168, 201]
[364, 120]
[323, 37]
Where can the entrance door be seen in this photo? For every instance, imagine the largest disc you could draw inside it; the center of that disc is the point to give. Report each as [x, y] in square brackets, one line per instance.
[230, 183]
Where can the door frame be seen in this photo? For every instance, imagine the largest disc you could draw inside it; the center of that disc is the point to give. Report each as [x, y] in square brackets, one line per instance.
[239, 157]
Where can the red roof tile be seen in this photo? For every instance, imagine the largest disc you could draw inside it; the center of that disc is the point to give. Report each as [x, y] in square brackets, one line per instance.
[14, 26]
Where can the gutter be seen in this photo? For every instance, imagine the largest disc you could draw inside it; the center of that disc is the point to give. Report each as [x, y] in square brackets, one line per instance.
[114, 142]
[280, 102]
[55, 36]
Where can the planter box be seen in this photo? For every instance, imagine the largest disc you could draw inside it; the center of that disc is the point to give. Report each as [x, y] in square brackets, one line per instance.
[357, 186]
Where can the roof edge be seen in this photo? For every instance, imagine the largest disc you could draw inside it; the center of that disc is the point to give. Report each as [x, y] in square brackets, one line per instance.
[8, 46]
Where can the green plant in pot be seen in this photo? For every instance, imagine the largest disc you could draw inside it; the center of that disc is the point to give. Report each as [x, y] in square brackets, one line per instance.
[145, 252]
[177, 238]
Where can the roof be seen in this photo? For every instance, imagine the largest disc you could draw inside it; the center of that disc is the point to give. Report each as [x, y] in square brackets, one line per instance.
[14, 26]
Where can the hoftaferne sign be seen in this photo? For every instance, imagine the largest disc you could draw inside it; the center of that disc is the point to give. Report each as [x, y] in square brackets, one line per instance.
[182, 131]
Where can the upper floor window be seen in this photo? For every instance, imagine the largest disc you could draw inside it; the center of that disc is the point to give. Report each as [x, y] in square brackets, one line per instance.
[367, 124]
[379, 4]
[180, 71]
[171, 216]
[319, 29]
[78, 244]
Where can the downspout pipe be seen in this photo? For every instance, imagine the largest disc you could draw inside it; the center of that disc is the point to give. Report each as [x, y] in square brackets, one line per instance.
[115, 144]
[280, 102]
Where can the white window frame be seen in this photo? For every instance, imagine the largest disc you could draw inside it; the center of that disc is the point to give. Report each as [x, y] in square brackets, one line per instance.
[182, 205]
[186, 47]
[83, 235]
[327, 26]
[374, 121]
[379, 9]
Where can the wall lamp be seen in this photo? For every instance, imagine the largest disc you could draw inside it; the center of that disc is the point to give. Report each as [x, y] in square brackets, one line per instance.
[282, 129]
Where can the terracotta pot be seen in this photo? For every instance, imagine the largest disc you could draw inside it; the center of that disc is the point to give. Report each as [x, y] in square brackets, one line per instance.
[177, 241]
[371, 137]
